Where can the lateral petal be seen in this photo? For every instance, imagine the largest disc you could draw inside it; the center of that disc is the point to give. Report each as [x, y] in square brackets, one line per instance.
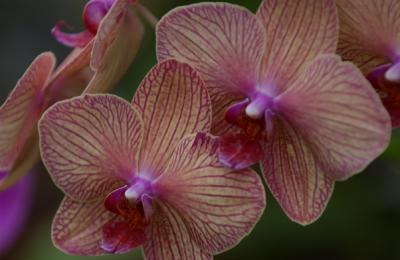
[169, 237]
[340, 115]
[299, 185]
[297, 31]
[173, 102]
[219, 206]
[116, 44]
[223, 42]
[369, 32]
[21, 111]
[89, 144]
[77, 228]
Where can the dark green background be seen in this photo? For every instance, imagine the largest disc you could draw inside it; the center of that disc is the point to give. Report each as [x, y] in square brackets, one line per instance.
[362, 220]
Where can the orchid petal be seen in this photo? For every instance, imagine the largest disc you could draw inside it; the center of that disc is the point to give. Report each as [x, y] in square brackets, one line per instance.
[293, 176]
[297, 32]
[169, 238]
[223, 42]
[90, 144]
[218, 205]
[14, 205]
[71, 76]
[80, 39]
[369, 32]
[116, 44]
[78, 227]
[339, 114]
[20, 112]
[173, 102]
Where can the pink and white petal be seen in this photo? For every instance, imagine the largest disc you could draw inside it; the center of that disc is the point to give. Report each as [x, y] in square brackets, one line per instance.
[340, 115]
[369, 32]
[297, 31]
[89, 144]
[77, 228]
[299, 185]
[71, 76]
[22, 109]
[219, 206]
[173, 102]
[224, 42]
[116, 45]
[168, 237]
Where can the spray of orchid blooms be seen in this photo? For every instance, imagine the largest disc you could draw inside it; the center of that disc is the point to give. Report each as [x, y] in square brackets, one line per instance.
[139, 175]
[93, 67]
[280, 95]
[370, 38]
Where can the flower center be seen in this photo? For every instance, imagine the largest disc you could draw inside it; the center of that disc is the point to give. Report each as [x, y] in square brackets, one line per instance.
[253, 115]
[393, 73]
[132, 200]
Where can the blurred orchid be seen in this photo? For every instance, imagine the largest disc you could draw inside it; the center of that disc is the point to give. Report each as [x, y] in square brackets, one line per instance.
[15, 203]
[370, 37]
[96, 67]
[278, 95]
[137, 174]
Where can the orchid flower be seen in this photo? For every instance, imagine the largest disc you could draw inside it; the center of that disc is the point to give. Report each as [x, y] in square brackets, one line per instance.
[109, 53]
[370, 37]
[15, 203]
[279, 96]
[139, 175]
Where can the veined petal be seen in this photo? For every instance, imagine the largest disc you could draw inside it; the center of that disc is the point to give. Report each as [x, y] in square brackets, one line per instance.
[340, 115]
[301, 188]
[173, 102]
[297, 31]
[14, 206]
[90, 143]
[78, 227]
[116, 44]
[223, 42]
[169, 237]
[219, 206]
[71, 76]
[369, 31]
[22, 109]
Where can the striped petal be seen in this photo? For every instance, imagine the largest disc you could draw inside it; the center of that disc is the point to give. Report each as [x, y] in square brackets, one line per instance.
[369, 32]
[169, 238]
[173, 102]
[90, 143]
[71, 76]
[219, 206]
[299, 185]
[78, 227]
[21, 111]
[15, 204]
[116, 44]
[339, 114]
[223, 42]
[297, 31]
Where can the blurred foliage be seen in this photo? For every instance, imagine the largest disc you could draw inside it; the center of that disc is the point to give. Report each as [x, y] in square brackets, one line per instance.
[362, 218]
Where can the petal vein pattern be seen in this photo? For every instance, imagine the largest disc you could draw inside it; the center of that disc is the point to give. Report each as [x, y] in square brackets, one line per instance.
[90, 144]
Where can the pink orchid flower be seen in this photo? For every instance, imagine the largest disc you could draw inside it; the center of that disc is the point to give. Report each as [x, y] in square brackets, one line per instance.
[279, 96]
[138, 175]
[370, 37]
[15, 204]
[94, 68]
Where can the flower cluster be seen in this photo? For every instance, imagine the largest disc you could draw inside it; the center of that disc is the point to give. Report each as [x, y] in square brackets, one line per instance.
[170, 171]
